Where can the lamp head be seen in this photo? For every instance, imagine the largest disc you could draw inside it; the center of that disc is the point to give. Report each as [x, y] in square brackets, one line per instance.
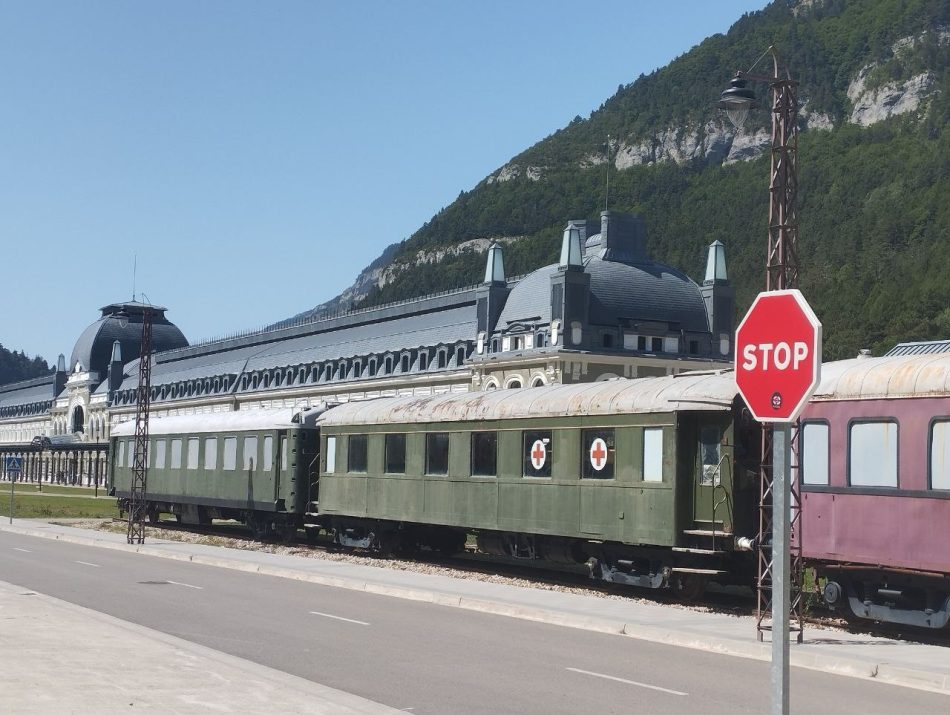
[736, 101]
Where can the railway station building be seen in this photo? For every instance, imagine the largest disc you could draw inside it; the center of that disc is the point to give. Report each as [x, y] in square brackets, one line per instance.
[605, 310]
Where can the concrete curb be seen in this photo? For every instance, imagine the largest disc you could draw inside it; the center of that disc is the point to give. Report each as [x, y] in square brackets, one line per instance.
[851, 667]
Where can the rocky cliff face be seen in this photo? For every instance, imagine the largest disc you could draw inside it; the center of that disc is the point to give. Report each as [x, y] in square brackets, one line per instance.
[380, 274]
[712, 142]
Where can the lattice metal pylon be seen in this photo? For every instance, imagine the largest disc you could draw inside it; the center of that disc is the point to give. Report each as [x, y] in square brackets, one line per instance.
[137, 502]
[781, 273]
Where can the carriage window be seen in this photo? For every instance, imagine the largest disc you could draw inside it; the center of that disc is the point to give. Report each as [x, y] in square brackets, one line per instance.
[940, 455]
[709, 448]
[130, 454]
[230, 453]
[597, 454]
[484, 454]
[192, 453]
[211, 453]
[653, 454]
[331, 455]
[538, 453]
[160, 454]
[284, 464]
[815, 453]
[437, 453]
[121, 458]
[267, 460]
[250, 453]
[395, 454]
[176, 453]
[872, 454]
[356, 453]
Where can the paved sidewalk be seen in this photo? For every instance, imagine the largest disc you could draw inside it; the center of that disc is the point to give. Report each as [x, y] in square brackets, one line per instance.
[860, 655]
[100, 664]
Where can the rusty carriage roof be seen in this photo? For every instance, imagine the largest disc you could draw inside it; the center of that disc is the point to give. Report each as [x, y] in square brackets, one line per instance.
[706, 391]
[893, 376]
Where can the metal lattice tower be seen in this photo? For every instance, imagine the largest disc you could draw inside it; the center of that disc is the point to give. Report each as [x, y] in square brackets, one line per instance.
[781, 273]
[137, 503]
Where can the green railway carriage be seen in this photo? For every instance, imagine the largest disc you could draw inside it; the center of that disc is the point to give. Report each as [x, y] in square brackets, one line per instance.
[648, 481]
[256, 466]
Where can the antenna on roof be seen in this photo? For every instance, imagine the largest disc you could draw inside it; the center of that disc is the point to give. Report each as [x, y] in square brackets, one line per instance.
[135, 261]
[607, 165]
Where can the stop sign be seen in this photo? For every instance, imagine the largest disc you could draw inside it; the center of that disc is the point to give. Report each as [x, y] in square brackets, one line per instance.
[778, 355]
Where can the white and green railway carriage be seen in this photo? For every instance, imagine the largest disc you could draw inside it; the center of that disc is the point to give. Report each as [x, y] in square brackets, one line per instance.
[256, 466]
[649, 481]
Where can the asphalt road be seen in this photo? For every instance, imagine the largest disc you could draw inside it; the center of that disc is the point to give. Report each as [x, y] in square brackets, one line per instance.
[421, 657]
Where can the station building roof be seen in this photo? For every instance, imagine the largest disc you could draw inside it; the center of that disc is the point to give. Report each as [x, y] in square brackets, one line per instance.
[123, 322]
[37, 391]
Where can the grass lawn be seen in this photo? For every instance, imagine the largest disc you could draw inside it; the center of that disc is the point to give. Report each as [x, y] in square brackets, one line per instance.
[52, 506]
[28, 488]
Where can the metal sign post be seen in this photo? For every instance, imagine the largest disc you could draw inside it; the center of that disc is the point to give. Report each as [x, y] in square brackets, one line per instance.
[778, 366]
[12, 466]
[781, 566]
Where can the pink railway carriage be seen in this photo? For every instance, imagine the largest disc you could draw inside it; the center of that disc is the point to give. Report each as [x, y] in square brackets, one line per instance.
[875, 481]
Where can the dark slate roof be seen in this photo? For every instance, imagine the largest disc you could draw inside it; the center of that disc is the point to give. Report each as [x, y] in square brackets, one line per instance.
[530, 300]
[94, 347]
[443, 327]
[647, 292]
[618, 291]
[27, 392]
[927, 347]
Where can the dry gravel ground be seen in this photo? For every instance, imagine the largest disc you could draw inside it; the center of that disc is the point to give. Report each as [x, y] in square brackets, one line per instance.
[416, 566]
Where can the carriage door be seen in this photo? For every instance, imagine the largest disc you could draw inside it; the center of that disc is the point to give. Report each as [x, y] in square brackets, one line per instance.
[710, 503]
[282, 470]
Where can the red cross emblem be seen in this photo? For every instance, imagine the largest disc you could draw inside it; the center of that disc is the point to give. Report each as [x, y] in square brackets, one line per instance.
[598, 454]
[539, 454]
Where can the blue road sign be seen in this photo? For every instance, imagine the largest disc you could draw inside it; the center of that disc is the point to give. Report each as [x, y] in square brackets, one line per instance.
[13, 464]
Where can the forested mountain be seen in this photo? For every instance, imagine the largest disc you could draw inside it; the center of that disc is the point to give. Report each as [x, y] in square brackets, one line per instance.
[16, 366]
[874, 172]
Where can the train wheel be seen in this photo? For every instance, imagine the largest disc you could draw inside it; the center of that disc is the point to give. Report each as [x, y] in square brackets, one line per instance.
[152, 514]
[688, 586]
[259, 526]
[288, 533]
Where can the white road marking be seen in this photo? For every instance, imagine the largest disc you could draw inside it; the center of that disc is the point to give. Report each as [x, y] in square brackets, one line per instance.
[186, 585]
[25, 551]
[628, 682]
[86, 563]
[339, 618]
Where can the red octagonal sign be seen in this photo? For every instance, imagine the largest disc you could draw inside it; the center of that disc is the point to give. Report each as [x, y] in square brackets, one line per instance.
[778, 355]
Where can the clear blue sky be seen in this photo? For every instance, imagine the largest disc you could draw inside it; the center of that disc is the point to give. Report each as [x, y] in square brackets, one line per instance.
[255, 156]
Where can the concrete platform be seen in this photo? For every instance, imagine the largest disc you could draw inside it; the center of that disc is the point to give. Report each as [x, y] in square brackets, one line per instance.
[859, 655]
[100, 664]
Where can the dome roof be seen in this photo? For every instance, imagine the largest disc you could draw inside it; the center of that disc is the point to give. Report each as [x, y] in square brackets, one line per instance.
[123, 322]
[618, 291]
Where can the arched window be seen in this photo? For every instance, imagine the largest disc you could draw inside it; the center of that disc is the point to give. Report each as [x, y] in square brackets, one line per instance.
[388, 365]
[79, 420]
[372, 367]
[423, 361]
[538, 381]
[460, 355]
[513, 383]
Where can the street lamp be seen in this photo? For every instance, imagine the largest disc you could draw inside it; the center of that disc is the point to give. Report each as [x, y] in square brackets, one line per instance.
[736, 101]
[780, 565]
